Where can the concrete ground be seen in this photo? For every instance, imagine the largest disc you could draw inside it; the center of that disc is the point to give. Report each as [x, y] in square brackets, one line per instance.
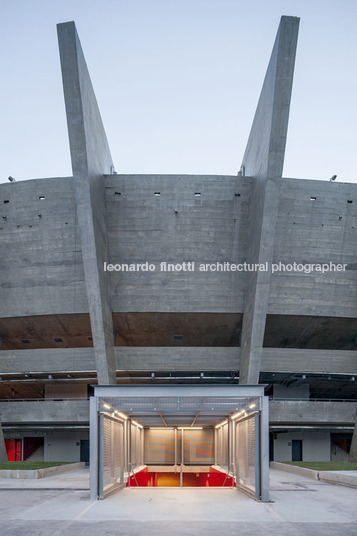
[60, 505]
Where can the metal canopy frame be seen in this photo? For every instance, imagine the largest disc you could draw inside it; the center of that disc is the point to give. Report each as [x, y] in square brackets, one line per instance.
[177, 405]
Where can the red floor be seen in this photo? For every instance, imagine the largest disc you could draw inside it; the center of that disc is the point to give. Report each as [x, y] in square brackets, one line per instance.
[213, 478]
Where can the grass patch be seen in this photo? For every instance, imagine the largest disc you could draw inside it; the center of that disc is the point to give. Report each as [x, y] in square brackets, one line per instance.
[31, 465]
[326, 466]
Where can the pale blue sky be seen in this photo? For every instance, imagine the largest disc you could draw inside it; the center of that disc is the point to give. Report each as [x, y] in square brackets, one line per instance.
[177, 82]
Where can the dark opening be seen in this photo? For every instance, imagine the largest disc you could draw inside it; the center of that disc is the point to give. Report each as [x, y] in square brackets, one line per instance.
[31, 448]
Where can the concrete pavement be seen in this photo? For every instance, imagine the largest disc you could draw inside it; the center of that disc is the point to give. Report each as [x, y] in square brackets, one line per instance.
[301, 507]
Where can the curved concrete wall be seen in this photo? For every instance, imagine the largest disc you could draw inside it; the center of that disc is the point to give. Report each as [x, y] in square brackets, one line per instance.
[41, 266]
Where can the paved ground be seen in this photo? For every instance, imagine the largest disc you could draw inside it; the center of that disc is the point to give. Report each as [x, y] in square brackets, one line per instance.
[60, 506]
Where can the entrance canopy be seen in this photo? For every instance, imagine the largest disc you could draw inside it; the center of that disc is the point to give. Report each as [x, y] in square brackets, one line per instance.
[122, 416]
[177, 406]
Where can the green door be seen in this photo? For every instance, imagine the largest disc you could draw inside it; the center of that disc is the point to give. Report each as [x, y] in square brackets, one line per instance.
[84, 451]
[296, 450]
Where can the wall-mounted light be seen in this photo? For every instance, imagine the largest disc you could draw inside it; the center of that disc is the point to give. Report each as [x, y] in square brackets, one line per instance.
[237, 414]
[221, 424]
[120, 414]
[137, 424]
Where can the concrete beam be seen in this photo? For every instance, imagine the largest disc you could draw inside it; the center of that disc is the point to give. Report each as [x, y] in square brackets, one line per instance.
[47, 360]
[175, 358]
[193, 359]
[91, 159]
[263, 160]
[301, 360]
[311, 412]
[45, 411]
[126, 358]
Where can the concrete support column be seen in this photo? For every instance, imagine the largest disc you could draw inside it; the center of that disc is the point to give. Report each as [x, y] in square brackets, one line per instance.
[91, 159]
[353, 450]
[263, 160]
[3, 455]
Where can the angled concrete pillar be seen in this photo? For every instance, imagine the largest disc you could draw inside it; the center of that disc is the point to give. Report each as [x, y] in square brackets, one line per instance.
[3, 454]
[91, 159]
[353, 449]
[263, 160]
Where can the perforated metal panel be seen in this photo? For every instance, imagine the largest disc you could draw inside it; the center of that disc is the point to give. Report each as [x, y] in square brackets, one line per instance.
[118, 451]
[107, 451]
[245, 453]
[111, 451]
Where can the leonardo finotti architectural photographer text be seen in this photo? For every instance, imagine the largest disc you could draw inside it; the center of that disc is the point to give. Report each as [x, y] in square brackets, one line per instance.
[192, 266]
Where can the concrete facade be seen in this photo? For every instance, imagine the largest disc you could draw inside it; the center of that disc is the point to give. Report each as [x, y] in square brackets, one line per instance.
[64, 447]
[315, 446]
[66, 323]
